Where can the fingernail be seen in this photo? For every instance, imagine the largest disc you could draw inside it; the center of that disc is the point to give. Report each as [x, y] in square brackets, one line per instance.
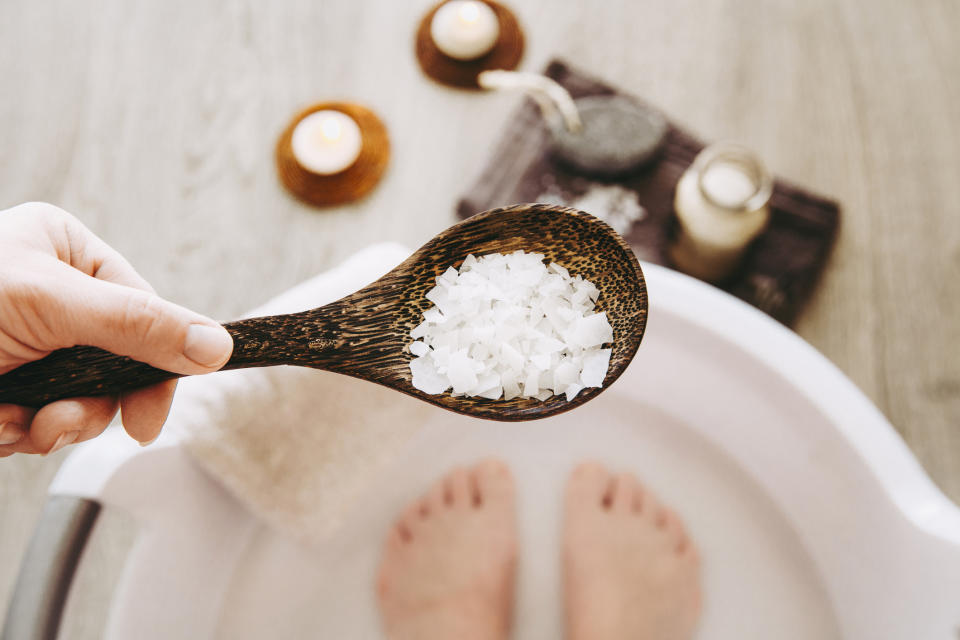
[10, 433]
[149, 442]
[67, 437]
[208, 346]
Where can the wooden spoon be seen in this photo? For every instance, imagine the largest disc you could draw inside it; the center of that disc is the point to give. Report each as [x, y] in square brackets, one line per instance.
[365, 334]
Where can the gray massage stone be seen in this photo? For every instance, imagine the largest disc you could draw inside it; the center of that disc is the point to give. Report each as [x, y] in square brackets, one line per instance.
[618, 136]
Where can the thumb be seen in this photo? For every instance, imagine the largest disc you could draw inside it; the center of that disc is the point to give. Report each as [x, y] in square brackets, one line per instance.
[136, 323]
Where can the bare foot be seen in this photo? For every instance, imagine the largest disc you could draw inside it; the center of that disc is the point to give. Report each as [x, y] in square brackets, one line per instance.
[448, 568]
[630, 572]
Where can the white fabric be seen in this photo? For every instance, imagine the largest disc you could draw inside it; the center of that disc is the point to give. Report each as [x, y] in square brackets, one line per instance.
[297, 445]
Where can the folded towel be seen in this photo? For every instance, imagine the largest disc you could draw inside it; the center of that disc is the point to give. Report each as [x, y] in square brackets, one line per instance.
[298, 446]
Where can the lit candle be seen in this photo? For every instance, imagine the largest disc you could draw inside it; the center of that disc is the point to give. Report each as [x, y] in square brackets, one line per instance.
[722, 203]
[326, 142]
[465, 29]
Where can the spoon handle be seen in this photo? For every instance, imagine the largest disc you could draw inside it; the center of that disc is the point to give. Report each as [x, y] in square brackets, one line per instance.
[89, 371]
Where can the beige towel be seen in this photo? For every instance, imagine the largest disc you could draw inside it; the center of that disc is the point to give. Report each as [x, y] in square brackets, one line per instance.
[298, 446]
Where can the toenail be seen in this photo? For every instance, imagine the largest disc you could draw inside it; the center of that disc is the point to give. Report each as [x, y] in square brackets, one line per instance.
[67, 437]
[10, 433]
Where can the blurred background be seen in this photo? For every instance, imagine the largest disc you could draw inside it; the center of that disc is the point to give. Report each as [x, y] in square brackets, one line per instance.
[155, 123]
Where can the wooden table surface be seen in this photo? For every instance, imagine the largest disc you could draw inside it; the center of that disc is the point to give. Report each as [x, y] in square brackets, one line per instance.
[154, 122]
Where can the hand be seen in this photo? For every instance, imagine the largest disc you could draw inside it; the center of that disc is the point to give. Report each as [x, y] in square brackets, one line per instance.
[62, 286]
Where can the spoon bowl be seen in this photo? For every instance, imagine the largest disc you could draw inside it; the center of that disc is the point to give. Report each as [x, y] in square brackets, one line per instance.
[365, 334]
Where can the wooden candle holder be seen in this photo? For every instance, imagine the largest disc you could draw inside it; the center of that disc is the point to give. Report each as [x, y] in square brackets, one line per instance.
[352, 183]
[505, 54]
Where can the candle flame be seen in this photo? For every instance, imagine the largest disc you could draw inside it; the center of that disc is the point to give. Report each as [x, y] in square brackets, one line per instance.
[469, 12]
[331, 130]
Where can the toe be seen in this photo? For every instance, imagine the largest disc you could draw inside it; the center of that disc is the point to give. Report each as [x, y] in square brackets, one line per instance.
[677, 531]
[457, 488]
[397, 537]
[383, 584]
[436, 496]
[411, 519]
[402, 533]
[492, 483]
[423, 508]
[638, 499]
[660, 516]
[650, 507]
[625, 487]
[588, 483]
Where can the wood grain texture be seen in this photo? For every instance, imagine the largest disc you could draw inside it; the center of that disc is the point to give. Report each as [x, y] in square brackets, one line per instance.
[348, 185]
[156, 121]
[365, 334]
[505, 54]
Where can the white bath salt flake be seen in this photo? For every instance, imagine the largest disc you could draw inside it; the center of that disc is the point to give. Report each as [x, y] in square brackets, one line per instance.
[510, 357]
[439, 295]
[493, 393]
[510, 391]
[441, 355]
[426, 378]
[579, 299]
[531, 385]
[449, 276]
[595, 367]
[565, 374]
[446, 341]
[461, 372]
[559, 270]
[485, 383]
[479, 351]
[541, 360]
[592, 292]
[545, 380]
[509, 326]
[572, 390]
[591, 331]
[420, 330]
[433, 315]
[550, 345]
[419, 349]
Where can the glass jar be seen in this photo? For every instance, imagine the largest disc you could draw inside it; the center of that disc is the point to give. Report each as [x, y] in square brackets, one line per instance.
[722, 204]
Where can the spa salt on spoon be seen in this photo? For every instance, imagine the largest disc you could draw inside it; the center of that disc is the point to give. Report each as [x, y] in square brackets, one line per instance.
[366, 335]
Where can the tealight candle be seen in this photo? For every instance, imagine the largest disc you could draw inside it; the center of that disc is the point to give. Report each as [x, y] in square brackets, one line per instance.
[722, 203]
[465, 29]
[326, 142]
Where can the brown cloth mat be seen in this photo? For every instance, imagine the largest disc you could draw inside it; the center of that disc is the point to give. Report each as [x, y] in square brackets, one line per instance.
[780, 268]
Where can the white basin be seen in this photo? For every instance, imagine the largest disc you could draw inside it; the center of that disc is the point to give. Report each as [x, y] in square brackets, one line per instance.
[813, 518]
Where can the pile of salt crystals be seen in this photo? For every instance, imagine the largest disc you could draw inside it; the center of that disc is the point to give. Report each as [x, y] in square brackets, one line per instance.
[508, 326]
